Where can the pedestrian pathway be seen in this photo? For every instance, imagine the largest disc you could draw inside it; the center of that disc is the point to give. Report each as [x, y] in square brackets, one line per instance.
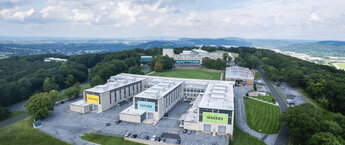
[150, 73]
[276, 104]
[221, 76]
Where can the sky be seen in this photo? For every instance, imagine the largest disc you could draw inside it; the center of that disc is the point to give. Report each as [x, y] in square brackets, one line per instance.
[265, 19]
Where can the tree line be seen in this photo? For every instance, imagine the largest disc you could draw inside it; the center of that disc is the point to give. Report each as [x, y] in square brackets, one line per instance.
[25, 76]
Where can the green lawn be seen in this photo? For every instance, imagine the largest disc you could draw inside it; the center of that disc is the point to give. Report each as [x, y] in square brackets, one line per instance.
[262, 116]
[341, 65]
[12, 114]
[241, 138]
[269, 98]
[189, 73]
[257, 76]
[22, 133]
[107, 140]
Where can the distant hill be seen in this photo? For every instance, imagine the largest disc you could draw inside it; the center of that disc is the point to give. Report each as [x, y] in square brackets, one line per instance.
[11, 46]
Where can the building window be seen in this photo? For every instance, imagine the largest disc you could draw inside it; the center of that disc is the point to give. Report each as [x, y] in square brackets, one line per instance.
[207, 127]
[221, 129]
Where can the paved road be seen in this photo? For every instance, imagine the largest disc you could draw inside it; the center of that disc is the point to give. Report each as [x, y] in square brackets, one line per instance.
[241, 120]
[280, 100]
[283, 136]
[7, 122]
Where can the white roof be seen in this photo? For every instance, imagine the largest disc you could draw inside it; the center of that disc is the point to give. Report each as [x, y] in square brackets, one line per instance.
[159, 90]
[238, 73]
[113, 83]
[132, 111]
[216, 98]
[81, 103]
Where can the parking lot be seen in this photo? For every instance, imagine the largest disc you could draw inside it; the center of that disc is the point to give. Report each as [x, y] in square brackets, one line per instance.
[69, 126]
[292, 93]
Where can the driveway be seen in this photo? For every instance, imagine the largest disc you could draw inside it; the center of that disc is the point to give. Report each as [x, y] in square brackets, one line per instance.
[283, 136]
[241, 120]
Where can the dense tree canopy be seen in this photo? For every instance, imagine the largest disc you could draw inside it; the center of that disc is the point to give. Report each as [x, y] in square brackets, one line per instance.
[161, 63]
[40, 104]
[325, 84]
[218, 64]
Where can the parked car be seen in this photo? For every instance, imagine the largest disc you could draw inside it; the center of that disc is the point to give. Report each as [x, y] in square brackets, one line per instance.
[189, 132]
[153, 138]
[166, 115]
[178, 141]
[158, 139]
[146, 137]
[128, 134]
[163, 140]
[118, 121]
[184, 131]
[134, 136]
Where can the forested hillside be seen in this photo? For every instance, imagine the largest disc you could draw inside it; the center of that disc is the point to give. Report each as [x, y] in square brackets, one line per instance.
[325, 84]
[22, 76]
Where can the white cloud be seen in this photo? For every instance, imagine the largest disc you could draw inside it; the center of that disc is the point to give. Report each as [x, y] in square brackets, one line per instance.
[314, 17]
[16, 15]
[252, 18]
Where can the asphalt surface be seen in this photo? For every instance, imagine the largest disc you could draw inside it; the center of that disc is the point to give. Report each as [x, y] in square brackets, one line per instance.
[283, 136]
[69, 126]
[241, 120]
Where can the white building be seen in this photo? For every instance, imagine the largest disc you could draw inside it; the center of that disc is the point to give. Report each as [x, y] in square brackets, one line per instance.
[49, 59]
[103, 97]
[212, 110]
[240, 75]
[190, 56]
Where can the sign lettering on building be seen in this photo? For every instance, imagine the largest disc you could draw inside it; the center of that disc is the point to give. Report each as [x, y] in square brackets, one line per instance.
[148, 106]
[215, 117]
[92, 98]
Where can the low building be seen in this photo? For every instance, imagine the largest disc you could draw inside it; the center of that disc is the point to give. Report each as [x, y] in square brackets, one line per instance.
[145, 59]
[241, 75]
[193, 56]
[49, 59]
[103, 97]
[212, 111]
[150, 105]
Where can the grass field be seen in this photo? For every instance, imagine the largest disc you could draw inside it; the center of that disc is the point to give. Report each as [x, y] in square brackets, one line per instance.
[262, 117]
[107, 140]
[13, 114]
[189, 73]
[257, 76]
[269, 98]
[341, 65]
[22, 133]
[241, 138]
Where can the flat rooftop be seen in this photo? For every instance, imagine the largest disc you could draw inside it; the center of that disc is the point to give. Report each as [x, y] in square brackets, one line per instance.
[237, 72]
[113, 83]
[218, 96]
[160, 90]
